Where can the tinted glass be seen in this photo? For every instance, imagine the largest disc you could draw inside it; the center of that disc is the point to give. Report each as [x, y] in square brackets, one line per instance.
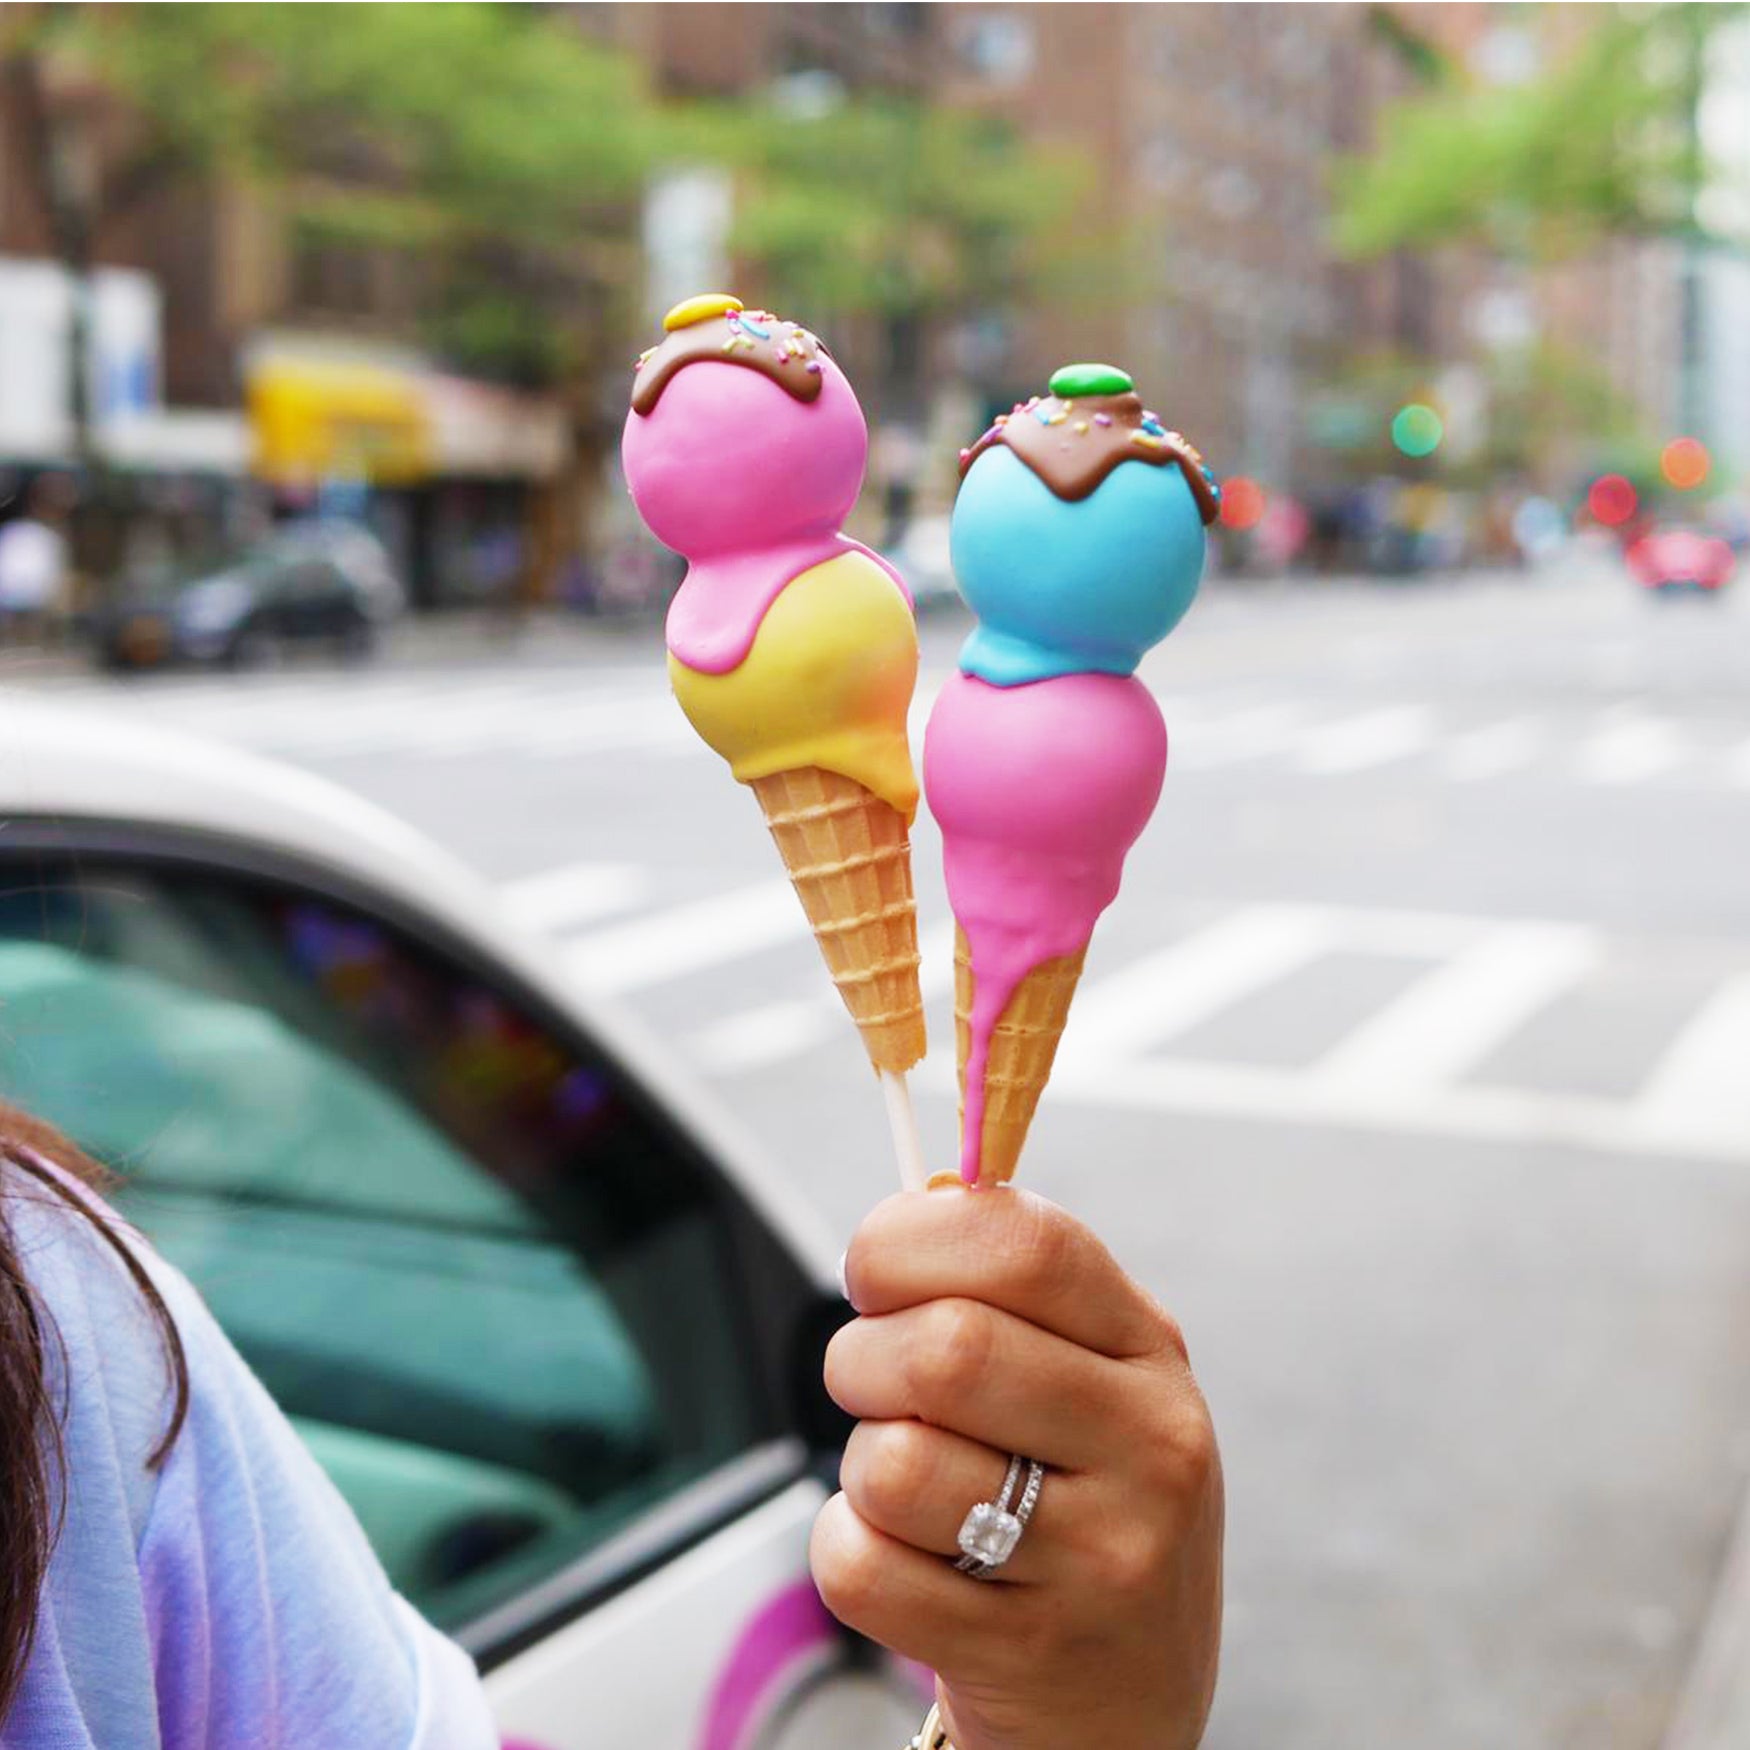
[488, 1283]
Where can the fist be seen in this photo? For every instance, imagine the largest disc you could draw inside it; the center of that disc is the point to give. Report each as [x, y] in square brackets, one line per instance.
[991, 1324]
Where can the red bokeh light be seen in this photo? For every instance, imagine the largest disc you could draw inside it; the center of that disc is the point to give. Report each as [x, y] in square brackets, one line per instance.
[1612, 500]
[1685, 462]
[1242, 502]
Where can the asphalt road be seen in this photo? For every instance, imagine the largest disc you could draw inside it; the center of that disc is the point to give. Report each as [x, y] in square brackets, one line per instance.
[1411, 1068]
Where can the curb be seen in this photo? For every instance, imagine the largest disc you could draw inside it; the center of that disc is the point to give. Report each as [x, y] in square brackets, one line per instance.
[1713, 1707]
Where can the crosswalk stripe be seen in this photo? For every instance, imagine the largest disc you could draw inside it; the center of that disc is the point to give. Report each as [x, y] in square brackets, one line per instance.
[1630, 751]
[340, 725]
[235, 713]
[687, 938]
[1700, 1088]
[558, 713]
[772, 1033]
[1402, 1070]
[1375, 738]
[1490, 751]
[759, 1037]
[584, 725]
[1167, 993]
[1738, 766]
[1233, 739]
[579, 893]
[1249, 1092]
[1454, 1015]
[473, 721]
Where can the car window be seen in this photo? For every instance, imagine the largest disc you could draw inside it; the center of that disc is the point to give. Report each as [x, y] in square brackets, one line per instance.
[483, 1278]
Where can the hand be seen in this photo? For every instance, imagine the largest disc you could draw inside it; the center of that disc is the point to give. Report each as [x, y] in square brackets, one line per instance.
[992, 1323]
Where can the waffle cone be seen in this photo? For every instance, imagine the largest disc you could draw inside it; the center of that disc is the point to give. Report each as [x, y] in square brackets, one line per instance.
[849, 857]
[1022, 1047]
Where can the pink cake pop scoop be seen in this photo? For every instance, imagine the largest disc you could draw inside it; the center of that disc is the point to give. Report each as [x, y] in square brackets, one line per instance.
[1039, 790]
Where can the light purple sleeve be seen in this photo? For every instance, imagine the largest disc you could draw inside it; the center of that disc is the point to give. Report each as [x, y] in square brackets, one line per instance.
[240, 1592]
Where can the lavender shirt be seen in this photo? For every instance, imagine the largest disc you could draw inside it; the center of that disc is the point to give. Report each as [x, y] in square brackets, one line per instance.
[229, 1599]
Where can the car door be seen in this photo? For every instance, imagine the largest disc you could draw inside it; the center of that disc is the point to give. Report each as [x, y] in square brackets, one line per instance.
[564, 1375]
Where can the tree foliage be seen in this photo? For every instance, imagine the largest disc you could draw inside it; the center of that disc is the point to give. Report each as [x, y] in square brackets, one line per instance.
[892, 207]
[505, 151]
[1603, 141]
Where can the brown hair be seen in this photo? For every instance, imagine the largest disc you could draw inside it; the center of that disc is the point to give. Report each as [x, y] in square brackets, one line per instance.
[32, 1502]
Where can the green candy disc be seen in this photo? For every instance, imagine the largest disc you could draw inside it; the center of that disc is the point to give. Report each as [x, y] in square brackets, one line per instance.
[1071, 381]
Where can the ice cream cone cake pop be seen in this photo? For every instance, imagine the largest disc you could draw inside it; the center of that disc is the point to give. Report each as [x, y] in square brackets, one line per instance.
[1077, 539]
[792, 649]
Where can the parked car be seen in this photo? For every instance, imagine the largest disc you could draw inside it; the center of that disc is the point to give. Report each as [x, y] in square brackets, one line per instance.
[1674, 561]
[326, 583]
[552, 1328]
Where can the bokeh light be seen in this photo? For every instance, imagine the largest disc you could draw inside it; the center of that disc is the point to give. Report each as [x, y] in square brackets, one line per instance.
[1685, 463]
[1417, 429]
[1242, 502]
[1612, 500]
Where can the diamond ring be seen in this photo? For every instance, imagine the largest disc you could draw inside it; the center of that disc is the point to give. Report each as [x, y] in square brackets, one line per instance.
[990, 1532]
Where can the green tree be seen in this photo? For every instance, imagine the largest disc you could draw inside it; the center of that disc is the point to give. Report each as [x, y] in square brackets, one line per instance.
[886, 204]
[463, 133]
[1603, 141]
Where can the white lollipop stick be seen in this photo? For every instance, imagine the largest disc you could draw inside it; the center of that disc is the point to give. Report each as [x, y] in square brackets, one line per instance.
[908, 1147]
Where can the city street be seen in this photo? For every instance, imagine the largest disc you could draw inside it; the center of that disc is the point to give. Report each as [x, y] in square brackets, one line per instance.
[1409, 1068]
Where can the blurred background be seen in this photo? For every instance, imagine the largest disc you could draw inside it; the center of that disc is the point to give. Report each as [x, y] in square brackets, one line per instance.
[1419, 276]
[1412, 1061]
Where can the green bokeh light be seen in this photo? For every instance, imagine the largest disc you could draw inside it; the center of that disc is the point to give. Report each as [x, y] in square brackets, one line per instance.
[1417, 429]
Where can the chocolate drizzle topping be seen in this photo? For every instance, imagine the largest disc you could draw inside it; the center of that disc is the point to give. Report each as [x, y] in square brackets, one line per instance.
[1073, 445]
[784, 351]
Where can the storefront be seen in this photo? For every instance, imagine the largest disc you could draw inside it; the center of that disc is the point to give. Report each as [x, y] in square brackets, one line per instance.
[446, 470]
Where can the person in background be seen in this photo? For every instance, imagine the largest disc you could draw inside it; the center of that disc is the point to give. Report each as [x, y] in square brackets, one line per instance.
[33, 565]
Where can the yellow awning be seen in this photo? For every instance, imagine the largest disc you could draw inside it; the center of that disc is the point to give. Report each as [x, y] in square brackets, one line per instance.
[316, 420]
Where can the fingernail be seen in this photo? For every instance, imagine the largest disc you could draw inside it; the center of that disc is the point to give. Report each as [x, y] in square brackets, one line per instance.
[945, 1181]
[844, 1286]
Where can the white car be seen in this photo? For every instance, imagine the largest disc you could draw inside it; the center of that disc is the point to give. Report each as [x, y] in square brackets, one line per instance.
[548, 1324]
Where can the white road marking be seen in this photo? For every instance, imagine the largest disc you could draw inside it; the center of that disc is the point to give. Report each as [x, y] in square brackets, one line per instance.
[1375, 738]
[1163, 994]
[1738, 766]
[773, 1033]
[1398, 1073]
[688, 938]
[761, 1037]
[1232, 739]
[470, 723]
[1484, 1114]
[1700, 1089]
[1453, 1016]
[1491, 751]
[586, 725]
[1631, 751]
[579, 893]
[343, 724]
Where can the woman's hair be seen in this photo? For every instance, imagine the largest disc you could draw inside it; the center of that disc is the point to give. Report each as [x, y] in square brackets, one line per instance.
[32, 1500]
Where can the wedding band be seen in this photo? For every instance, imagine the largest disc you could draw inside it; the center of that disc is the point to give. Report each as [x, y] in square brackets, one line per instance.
[990, 1532]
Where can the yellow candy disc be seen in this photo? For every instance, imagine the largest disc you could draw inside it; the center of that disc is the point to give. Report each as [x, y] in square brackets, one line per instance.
[699, 309]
